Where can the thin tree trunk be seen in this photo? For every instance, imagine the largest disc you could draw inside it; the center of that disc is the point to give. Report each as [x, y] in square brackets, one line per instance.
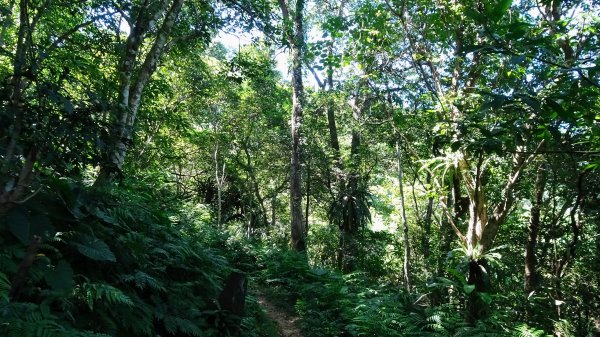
[531, 278]
[273, 211]
[349, 222]
[220, 180]
[569, 253]
[333, 136]
[427, 222]
[295, 36]
[446, 234]
[406, 265]
[14, 187]
[307, 197]
[19, 65]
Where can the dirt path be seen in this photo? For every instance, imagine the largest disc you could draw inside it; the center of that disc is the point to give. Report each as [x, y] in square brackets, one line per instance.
[286, 324]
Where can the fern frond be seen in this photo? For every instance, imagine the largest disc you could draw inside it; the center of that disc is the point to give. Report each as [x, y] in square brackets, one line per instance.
[37, 328]
[143, 280]
[26, 319]
[524, 330]
[181, 325]
[92, 292]
[137, 319]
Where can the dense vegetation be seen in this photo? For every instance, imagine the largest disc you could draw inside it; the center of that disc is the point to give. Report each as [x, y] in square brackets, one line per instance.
[426, 168]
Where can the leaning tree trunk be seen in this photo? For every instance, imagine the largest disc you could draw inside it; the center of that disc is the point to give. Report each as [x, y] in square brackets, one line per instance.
[132, 82]
[295, 36]
[13, 188]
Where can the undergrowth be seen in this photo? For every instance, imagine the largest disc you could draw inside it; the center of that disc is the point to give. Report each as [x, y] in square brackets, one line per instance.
[332, 304]
[125, 262]
[120, 262]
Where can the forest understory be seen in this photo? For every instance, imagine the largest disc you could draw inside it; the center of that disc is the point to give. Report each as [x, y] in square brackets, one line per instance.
[331, 168]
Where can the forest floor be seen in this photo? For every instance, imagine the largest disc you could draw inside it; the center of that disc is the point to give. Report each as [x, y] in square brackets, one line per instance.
[287, 324]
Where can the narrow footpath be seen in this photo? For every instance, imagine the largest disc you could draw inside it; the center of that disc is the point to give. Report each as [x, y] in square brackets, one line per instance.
[286, 324]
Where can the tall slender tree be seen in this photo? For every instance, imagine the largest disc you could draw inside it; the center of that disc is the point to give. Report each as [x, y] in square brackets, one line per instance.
[293, 21]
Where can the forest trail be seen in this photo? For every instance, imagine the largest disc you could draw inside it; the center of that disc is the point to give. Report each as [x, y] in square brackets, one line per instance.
[286, 324]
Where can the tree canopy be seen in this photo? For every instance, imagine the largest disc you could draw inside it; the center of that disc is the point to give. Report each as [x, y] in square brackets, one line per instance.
[419, 168]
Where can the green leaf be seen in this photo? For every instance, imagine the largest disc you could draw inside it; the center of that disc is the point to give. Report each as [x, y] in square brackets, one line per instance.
[503, 6]
[4, 287]
[18, 224]
[468, 288]
[94, 248]
[558, 109]
[532, 102]
[61, 278]
[485, 297]
[24, 226]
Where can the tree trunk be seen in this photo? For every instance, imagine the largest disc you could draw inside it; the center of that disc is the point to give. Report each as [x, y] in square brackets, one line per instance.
[220, 180]
[307, 211]
[344, 258]
[333, 136]
[406, 265]
[427, 223]
[477, 308]
[273, 210]
[446, 234]
[569, 253]
[14, 187]
[350, 223]
[531, 278]
[133, 81]
[232, 301]
[295, 37]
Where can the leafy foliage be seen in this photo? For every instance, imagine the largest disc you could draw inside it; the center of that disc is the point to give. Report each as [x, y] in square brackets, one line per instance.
[466, 103]
[146, 292]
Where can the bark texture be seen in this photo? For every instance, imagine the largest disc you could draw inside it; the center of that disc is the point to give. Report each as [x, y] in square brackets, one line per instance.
[406, 264]
[295, 37]
[531, 278]
[133, 80]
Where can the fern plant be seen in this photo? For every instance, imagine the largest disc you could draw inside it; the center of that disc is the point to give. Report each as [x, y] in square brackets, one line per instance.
[525, 330]
[115, 263]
